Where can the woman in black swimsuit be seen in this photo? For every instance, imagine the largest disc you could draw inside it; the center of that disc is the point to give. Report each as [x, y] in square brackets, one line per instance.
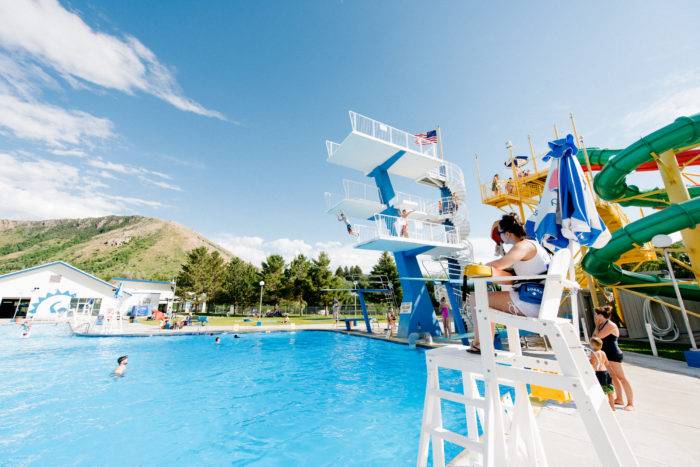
[608, 332]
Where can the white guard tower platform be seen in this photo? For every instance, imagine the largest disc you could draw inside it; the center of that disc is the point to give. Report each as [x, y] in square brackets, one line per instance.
[509, 435]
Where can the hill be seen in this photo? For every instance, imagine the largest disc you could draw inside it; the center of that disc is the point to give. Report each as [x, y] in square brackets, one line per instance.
[126, 246]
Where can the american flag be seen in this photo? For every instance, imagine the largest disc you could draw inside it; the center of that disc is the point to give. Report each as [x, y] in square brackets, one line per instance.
[429, 137]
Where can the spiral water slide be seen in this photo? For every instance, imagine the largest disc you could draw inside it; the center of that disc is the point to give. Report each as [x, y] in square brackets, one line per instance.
[661, 150]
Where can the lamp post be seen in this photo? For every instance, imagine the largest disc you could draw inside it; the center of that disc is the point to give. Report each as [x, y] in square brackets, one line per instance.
[262, 284]
[664, 242]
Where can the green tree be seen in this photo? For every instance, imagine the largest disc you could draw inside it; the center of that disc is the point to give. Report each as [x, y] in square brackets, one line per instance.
[297, 280]
[321, 278]
[660, 264]
[241, 286]
[202, 276]
[272, 273]
[387, 268]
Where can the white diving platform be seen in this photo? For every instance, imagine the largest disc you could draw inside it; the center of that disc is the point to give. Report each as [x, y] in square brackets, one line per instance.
[387, 233]
[423, 209]
[358, 200]
[371, 143]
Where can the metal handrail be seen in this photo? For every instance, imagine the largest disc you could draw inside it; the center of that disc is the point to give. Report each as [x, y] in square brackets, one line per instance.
[353, 190]
[331, 148]
[381, 131]
[359, 190]
[385, 226]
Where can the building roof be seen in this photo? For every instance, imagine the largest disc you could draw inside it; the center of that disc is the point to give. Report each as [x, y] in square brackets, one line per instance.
[145, 281]
[59, 265]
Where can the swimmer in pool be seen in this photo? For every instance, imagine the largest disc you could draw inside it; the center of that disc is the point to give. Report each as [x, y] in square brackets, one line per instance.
[217, 340]
[122, 361]
[236, 336]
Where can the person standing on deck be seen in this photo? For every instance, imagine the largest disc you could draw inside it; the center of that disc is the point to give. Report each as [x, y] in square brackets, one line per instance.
[445, 313]
[403, 223]
[336, 311]
[608, 332]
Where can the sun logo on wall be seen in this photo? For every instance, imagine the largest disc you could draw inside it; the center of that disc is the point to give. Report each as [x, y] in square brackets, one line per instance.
[53, 304]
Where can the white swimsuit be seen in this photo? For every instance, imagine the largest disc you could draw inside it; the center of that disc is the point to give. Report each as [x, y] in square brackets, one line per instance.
[535, 266]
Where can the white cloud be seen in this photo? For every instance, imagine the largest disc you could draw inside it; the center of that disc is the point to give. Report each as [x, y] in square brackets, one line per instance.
[61, 40]
[115, 167]
[105, 174]
[164, 185]
[51, 124]
[42, 189]
[680, 97]
[142, 173]
[68, 152]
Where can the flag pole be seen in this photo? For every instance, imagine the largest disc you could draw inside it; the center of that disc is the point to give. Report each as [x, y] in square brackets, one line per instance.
[516, 180]
[478, 176]
[532, 152]
[442, 151]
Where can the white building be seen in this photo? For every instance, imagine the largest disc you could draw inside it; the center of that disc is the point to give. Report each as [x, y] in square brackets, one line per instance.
[146, 295]
[56, 291]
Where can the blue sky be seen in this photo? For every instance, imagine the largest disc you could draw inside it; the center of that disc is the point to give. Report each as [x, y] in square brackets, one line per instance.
[214, 114]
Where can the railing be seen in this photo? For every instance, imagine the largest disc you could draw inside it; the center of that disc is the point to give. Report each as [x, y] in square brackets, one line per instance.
[391, 135]
[353, 190]
[444, 206]
[396, 227]
[420, 204]
[363, 191]
[449, 172]
[331, 147]
[511, 188]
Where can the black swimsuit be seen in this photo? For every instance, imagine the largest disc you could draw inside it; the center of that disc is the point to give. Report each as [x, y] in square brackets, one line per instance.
[610, 347]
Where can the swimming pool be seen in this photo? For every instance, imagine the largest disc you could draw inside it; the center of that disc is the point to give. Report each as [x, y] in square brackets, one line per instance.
[317, 398]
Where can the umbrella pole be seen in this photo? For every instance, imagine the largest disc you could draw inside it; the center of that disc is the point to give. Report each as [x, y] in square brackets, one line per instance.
[532, 152]
[589, 180]
[589, 172]
[574, 295]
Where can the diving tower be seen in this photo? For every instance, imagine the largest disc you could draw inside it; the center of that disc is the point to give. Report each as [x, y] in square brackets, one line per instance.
[437, 227]
[372, 143]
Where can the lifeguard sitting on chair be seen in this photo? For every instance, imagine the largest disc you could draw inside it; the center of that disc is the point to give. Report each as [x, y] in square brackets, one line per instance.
[526, 258]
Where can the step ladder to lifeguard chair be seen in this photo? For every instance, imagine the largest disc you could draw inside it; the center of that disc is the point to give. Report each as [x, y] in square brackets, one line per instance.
[510, 435]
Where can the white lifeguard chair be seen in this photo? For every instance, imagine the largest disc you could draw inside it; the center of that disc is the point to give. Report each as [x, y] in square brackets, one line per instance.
[510, 434]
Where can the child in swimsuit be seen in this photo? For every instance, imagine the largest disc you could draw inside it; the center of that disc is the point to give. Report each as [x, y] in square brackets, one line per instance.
[599, 361]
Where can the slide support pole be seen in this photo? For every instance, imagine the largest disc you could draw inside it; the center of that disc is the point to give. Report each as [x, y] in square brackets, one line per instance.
[677, 193]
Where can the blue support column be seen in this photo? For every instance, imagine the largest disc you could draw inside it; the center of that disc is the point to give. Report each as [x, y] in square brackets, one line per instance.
[363, 305]
[422, 314]
[456, 315]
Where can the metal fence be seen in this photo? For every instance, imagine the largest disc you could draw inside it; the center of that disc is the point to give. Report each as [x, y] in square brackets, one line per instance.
[385, 226]
[391, 135]
[347, 308]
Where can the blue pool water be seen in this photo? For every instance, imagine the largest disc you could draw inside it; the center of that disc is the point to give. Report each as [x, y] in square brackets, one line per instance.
[314, 398]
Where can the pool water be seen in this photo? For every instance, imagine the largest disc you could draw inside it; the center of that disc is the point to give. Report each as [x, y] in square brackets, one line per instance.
[314, 398]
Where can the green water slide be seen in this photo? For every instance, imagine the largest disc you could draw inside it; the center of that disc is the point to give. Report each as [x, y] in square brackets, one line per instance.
[611, 185]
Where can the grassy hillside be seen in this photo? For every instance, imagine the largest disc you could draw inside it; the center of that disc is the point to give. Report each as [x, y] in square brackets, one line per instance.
[128, 246]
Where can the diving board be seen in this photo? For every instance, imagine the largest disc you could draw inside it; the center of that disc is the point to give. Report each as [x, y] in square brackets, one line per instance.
[372, 144]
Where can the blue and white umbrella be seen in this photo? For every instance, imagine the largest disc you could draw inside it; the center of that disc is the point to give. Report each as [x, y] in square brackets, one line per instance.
[567, 210]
